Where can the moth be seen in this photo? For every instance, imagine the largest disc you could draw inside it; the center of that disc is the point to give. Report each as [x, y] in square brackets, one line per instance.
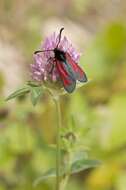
[69, 71]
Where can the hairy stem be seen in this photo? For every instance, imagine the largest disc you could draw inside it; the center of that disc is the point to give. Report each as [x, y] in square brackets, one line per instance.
[58, 155]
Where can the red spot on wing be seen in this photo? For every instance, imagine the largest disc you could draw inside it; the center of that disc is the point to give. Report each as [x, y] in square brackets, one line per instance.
[68, 83]
[79, 73]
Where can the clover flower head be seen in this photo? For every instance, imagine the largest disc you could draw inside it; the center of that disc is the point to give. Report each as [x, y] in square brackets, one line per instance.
[41, 69]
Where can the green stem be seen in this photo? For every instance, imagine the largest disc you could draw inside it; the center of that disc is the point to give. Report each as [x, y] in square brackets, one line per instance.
[64, 181]
[58, 155]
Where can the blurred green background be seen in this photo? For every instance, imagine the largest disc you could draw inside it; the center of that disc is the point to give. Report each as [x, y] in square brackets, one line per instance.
[98, 30]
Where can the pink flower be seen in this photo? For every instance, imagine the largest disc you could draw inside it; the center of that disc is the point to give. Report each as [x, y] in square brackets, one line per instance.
[42, 70]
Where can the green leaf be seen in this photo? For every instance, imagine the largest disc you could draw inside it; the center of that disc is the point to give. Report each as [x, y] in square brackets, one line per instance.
[36, 93]
[33, 84]
[76, 167]
[19, 92]
[83, 164]
[49, 174]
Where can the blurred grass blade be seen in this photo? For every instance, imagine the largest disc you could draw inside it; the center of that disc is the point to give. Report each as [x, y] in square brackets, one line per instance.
[19, 92]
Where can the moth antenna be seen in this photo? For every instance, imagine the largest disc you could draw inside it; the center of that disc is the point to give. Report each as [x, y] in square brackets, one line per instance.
[59, 37]
[39, 51]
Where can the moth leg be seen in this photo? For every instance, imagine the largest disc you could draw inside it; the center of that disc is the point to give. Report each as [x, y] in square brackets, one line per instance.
[53, 65]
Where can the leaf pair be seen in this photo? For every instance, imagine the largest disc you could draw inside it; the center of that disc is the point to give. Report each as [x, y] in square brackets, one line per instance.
[77, 166]
[34, 89]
